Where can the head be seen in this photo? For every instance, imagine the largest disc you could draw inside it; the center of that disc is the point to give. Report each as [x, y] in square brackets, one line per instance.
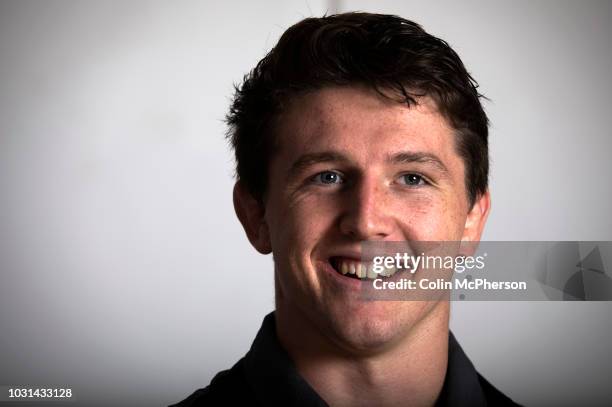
[356, 127]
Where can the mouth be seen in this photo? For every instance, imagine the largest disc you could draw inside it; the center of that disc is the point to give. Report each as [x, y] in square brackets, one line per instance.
[357, 269]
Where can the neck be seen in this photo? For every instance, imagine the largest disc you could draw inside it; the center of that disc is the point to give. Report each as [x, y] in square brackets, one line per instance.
[409, 373]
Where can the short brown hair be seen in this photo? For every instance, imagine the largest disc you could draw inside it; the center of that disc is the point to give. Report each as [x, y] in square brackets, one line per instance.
[384, 52]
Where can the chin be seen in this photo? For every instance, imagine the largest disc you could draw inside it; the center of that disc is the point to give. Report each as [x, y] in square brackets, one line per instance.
[375, 325]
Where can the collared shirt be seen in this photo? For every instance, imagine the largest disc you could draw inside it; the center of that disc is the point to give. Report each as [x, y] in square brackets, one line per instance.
[266, 376]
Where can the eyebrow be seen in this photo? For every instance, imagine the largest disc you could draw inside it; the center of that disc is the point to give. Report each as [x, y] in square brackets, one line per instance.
[404, 157]
[407, 157]
[307, 160]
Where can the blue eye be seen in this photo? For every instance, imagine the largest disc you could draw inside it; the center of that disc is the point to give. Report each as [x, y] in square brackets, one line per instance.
[328, 178]
[413, 180]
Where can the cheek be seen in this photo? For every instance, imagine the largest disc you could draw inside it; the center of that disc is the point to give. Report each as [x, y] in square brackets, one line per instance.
[298, 230]
[298, 226]
[428, 218]
[312, 216]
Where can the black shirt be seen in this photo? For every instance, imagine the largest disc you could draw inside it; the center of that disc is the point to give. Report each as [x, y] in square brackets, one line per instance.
[266, 376]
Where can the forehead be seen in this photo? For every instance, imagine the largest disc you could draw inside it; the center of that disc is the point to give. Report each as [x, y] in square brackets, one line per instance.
[363, 124]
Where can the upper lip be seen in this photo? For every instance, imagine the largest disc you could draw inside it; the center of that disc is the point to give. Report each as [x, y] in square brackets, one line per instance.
[351, 255]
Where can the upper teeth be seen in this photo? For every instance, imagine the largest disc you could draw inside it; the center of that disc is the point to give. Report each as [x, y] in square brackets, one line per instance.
[363, 269]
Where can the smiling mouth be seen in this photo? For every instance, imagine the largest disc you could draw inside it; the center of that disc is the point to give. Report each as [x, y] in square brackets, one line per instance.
[356, 269]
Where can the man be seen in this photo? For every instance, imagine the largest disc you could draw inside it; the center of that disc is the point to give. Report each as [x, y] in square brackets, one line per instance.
[356, 127]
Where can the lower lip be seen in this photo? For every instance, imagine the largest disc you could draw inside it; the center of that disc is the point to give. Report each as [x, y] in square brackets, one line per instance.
[346, 282]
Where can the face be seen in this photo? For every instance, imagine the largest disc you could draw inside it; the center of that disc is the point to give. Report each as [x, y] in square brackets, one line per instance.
[353, 166]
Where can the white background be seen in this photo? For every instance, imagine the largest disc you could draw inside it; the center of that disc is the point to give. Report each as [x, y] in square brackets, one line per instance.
[124, 273]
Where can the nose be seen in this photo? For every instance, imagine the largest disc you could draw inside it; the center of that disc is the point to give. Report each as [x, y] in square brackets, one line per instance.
[367, 214]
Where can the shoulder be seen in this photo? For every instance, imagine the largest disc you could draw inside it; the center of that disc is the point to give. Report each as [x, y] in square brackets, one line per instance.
[228, 387]
[493, 396]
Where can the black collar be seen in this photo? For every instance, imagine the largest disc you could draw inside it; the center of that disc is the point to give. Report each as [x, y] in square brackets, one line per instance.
[274, 379]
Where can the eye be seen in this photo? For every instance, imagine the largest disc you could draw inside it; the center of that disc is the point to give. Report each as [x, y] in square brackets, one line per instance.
[412, 180]
[327, 178]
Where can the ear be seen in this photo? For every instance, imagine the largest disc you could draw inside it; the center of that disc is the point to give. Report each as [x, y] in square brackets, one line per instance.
[250, 212]
[477, 217]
